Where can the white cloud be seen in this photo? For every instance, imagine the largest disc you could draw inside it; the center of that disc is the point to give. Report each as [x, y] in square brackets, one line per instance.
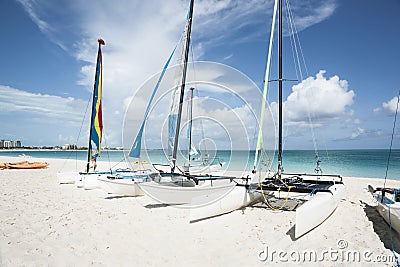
[321, 98]
[391, 105]
[228, 100]
[63, 110]
[43, 119]
[357, 133]
[308, 13]
[140, 35]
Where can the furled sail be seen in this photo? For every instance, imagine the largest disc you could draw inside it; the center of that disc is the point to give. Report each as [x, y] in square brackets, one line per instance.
[265, 90]
[96, 122]
[174, 118]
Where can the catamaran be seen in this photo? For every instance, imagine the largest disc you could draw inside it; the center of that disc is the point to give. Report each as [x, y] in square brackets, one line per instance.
[95, 131]
[320, 192]
[388, 199]
[177, 184]
[88, 178]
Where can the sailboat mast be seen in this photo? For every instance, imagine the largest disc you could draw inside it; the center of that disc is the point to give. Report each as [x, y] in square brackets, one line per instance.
[178, 123]
[280, 168]
[190, 121]
[97, 83]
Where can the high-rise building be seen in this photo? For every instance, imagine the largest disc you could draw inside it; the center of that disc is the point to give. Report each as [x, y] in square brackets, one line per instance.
[10, 144]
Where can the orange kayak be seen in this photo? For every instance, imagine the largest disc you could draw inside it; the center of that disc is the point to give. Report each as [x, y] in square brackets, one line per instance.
[24, 165]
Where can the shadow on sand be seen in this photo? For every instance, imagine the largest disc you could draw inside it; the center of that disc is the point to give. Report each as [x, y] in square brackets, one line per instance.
[117, 197]
[285, 205]
[382, 229]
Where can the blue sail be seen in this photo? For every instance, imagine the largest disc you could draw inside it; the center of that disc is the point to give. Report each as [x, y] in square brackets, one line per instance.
[137, 144]
[172, 120]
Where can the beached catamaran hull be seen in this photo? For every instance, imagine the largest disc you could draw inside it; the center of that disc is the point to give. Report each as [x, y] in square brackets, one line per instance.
[125, 184]
[240, 196]
[121, 187]
[308, 216]
[77, 177]
[186, 196]
[317, 209]
[387, 207]
[89, 181]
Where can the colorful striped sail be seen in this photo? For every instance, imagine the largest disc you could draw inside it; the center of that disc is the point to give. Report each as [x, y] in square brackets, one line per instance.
[96, 129]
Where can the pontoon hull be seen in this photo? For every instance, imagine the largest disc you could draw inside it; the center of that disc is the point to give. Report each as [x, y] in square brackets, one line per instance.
[88, 181]
[317, 209]
[235, 199]
[388, 206]
[184, 196]
[122, 187]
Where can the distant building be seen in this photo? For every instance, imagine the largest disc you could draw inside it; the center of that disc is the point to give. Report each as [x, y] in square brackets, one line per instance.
[10, 144]
[69, 146]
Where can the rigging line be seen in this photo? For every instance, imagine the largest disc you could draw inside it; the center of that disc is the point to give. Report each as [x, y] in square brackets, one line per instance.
[80, 131]
[105, 145]
[297, 38]
[296, 59]
[296, 47]
[116, 164]
[198, 95]
[107, 150]
[304, 64]
[178, 70]
[391, 140]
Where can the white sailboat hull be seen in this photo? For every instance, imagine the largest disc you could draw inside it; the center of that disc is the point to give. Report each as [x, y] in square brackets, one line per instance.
[317, 209]
[388, 206]
[235, 199]
[186, 196]
[122, 187]
[67, 177]
[89, 181]
[213, 169]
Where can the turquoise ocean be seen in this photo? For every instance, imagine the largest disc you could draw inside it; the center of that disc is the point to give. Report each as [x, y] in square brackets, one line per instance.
[356, 163]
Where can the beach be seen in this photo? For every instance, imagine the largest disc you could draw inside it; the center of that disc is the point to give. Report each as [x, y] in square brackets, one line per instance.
[44, 223]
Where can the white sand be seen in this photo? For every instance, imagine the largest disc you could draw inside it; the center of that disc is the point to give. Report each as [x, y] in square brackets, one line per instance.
[47, 224]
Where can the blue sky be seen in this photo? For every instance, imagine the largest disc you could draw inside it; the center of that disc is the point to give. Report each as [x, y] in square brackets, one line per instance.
[48, 51]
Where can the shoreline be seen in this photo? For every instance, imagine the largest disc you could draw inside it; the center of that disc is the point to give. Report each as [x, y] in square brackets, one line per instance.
[44, 223]
[107, 164]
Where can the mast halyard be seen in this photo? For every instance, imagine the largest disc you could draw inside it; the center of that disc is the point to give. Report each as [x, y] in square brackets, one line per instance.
[183, 81]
